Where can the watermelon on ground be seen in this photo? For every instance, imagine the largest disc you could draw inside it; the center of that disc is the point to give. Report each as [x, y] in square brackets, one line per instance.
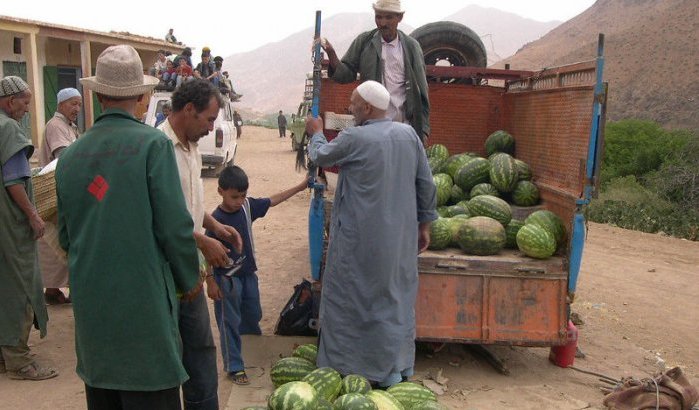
[354, 401]
[443, 211]
[536, 241]
[307, 351]
[324, 404]
[492, 207]
[294, 396]
[551, 222]
[503, 172]
[384, 400]
[524, 172]
[354, 383]
[481, 235]
[326, 381]
[472, 173]
[290, 369]
[443, 182]
[457, 194]
[455, 162]
[437, 151]
[500, 141]
[456, 210]
[511, 233]
[525, 194]
[440, 234]
[436, 164]
[484, 189]
[429, 405]
[463, 204]
[410, 394]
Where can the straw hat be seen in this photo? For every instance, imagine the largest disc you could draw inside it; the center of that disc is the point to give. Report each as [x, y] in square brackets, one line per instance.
[390, 6]
[119, 73]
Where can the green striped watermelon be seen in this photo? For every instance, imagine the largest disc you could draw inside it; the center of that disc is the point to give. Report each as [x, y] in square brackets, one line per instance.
[457, 194]
[410, 394]
[456, 210]
[455, 226]
[443, 182]
[290, 369]
[436, 164]
[326, 381]
[490, 206]
[437, 151]
[293, 396]
[525, 194]
[549, 220]
[443, 211]
[324, 404]
[536, 241]
[455, 162]
[484, 189]
[524, 172]
[463, 204]
[307, 351]
[429, 405]
[472, 173]
[511, 233]
[440, 234]
[354, 401]
[500, 141]
[481, 235]
[503, 172]
[354, 383]
[384, 400]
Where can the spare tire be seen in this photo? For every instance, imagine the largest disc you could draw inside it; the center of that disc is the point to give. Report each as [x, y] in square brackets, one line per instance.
[450, 43]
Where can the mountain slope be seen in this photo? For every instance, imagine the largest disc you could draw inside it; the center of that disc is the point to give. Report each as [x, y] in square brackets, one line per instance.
[651, 49]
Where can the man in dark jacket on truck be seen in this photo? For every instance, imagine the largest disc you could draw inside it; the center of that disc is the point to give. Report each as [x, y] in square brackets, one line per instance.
[392, 58]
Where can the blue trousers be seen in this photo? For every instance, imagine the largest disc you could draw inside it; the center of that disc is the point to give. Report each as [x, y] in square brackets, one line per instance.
[200, 392]
[238, 313]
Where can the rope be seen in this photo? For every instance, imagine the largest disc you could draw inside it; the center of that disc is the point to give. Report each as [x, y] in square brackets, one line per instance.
[606, 378]
[657, 393]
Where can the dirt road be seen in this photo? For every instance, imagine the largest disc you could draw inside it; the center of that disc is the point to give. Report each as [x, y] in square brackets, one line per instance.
[637, 295]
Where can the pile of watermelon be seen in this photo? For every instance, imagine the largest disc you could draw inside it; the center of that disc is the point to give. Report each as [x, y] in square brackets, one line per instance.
[299, 385]
[472, 202]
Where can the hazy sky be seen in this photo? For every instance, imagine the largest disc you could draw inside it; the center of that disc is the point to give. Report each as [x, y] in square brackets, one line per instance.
[229, 27]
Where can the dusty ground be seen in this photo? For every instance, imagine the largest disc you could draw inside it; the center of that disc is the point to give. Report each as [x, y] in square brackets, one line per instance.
[637, 295]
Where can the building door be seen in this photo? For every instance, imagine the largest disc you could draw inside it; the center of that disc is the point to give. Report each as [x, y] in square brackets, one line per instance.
[19, 69]
[58, 78]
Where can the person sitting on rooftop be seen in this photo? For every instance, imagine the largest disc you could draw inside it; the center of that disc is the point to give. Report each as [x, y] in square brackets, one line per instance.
[170, 38]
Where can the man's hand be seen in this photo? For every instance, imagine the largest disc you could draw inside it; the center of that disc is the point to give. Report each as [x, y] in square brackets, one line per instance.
[212, 289]
[314, 125]
[423, 237]
[230, 235]
[192, 294]
[37, 225]
[215, 253]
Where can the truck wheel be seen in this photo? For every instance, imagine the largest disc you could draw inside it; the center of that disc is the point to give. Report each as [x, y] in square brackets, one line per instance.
[446, 43]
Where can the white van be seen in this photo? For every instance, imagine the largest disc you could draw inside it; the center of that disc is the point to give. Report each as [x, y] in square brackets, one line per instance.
[218, 148]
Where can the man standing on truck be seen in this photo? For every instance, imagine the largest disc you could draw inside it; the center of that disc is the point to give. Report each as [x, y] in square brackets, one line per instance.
[384, 206]
[389, 56]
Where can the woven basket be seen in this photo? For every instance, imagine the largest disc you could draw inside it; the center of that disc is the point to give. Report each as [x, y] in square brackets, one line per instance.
[45, 199]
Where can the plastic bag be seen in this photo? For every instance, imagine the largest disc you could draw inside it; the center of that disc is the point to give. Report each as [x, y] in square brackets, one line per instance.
[295, 319]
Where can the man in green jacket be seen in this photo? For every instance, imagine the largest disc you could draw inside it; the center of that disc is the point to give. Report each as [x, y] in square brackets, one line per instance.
[123, 221]
[392, 58]
[21, 290]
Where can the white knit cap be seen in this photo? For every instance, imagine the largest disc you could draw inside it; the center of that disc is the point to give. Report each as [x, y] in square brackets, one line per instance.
[66, 94]
[12, 85]
[375, 94]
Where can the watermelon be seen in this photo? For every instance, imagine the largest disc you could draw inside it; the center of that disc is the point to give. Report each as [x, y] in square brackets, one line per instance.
[440, 234]
[461, 216]
[463, 204]
[354, 383]
[326, 381]
[457, 194]
[550, 222]
[443, 182]
[490, 206]
[456, 210]
[293, 396]
[324, 404]
[481, 235]
[524, 172]
[503, 172]
[454, 226]
[410, 394]
[536, 241]
[436, 164]
[307, 351]
[500, 141]
[455, 162]
[290, 369]
[484, 189]
[511, 233]
[384, 400]
[354, 401]
[443, 211]
[429, 405]
[437, 151]
[255, 408]
[525, 194]
[474, 172]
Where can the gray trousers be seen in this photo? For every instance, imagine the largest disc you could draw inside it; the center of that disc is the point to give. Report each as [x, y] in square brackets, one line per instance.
[17, 357]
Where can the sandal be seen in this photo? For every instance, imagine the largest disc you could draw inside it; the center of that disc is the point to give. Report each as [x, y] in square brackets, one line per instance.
[239, 378]
[56, 298]
[33, 372]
